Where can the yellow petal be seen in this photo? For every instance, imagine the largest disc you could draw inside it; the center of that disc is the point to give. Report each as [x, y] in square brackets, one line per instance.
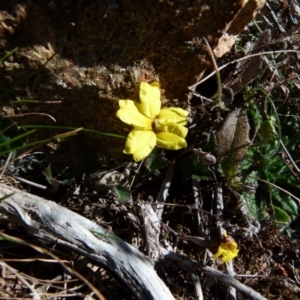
[226, 252]
[129, 113]
[140, 143]
[173, 115]
[219, 253]
[231, 246]
[170, 141]
[229, 255]
[179, 130]
[150, 99]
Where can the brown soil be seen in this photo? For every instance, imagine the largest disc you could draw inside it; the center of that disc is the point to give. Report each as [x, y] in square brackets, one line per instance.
[103, 49]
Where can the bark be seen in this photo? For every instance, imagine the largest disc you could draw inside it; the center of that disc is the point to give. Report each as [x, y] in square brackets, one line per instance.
[52, 222]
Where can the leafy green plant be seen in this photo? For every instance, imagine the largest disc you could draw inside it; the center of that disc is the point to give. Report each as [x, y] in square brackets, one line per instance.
[12, 137]
[193, 167]
[155, 161]
[122, 193]
[263, 163]
[55, 183]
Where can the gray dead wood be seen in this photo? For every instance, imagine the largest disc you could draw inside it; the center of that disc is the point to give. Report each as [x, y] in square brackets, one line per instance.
[52, 222]
[164, 190]
[193, 266]
[151, 229]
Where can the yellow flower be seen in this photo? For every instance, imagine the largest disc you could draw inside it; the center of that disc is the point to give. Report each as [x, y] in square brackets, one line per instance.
[227, 249]
[152, 125]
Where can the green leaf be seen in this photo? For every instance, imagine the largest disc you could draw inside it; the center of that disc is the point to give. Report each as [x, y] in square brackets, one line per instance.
[292, 142]
[52, 181]
[122, 193]
[285, 202]
[191, 166]
[2, 59]
[104, 235]
[68, 181]
[155, 161]
[281, 215]
[48, 173]
[4, 142]
[73, 128]
[201, 177]
[254, 114]
[255, 208]
[55, 183]
[267, 130]
[6, 196]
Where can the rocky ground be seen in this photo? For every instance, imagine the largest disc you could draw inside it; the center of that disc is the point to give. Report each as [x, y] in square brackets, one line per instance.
[76, 59]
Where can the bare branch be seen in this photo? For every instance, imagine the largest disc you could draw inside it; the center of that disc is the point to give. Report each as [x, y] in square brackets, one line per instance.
[52, 222]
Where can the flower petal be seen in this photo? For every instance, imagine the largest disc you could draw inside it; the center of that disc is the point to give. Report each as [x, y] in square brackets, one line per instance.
[168, 140]
[129, 113]
[179, 130]
[140, 143]
[150, 99]
[231, 246]
[225, 255]
[228, 256]
[173, 115]
[227, 251]
[219, 253]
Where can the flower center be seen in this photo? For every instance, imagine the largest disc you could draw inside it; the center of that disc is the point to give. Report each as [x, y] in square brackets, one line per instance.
[154, 125]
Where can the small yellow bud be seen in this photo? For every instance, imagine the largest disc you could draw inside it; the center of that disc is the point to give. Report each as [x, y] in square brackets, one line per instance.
[227, 249]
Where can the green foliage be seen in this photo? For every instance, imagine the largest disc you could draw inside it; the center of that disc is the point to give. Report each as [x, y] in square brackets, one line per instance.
[155, 161]
[281, 215]
[2, 59]
[192, 166]
[104, 235]
[285, 202]
[122, 193]
[272, 170]
[255, 208]
[267, 130]
[264, 162]
[4, 142]
[15, 139]
[6, 196]
[55, 183]
[11, 136]
[73, 129]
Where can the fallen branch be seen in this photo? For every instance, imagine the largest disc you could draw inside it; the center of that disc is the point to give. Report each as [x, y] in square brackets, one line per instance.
[52, 222]
[194, 266]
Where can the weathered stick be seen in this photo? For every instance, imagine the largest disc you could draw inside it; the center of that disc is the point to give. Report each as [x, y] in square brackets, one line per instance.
[193, 266]
[164, 190]
[52, 222]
